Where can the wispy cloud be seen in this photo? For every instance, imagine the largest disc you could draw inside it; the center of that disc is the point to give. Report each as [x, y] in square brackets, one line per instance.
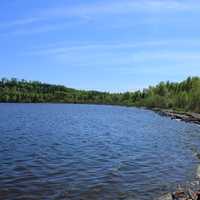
[122, 7]
[54, 49]
[113, 7]
[141, 57]
[167, 56]
[62, 47]
[20, 22]
[43, 28]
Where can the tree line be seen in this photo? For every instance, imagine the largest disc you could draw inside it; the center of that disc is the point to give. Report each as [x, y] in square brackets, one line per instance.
[180, 96]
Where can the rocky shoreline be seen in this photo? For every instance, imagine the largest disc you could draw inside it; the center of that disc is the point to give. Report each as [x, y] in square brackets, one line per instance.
[182, 116]
[190, 191]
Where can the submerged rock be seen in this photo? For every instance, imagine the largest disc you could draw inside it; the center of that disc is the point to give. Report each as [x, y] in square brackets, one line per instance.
[198, 171]
[167, 196]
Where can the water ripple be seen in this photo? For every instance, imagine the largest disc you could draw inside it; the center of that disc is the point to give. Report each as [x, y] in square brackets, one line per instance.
[92, 152]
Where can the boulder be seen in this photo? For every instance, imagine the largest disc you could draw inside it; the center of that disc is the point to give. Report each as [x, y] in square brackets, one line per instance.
[167, 196]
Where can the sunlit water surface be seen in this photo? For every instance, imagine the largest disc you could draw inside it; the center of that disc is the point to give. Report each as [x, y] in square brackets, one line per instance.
[91, 152]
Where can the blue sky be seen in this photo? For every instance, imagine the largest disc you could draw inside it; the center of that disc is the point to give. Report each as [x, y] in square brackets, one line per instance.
[109, 45]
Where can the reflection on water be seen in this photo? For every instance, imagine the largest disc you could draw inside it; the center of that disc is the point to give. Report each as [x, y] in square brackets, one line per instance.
[92, 152]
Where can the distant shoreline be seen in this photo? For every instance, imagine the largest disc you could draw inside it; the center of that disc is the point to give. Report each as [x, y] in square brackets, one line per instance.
[183, 95]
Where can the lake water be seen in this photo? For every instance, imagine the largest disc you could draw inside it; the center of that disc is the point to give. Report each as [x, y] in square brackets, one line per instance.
[91, 152]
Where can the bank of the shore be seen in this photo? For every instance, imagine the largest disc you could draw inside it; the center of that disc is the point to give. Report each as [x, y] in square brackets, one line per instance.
[179, 115]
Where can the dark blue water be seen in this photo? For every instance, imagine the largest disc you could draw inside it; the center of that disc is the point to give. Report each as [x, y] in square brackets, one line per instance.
[89, 152]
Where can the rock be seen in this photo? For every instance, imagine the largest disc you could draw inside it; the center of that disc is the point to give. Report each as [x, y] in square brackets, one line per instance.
[179, 194]
[198, 155]
[198, 171]
[192, 194]
[167, 196]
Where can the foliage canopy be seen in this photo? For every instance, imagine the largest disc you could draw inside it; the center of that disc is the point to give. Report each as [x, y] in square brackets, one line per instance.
[184, 95]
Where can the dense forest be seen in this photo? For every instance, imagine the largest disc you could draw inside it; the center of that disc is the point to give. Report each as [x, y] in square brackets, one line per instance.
[182, 96]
